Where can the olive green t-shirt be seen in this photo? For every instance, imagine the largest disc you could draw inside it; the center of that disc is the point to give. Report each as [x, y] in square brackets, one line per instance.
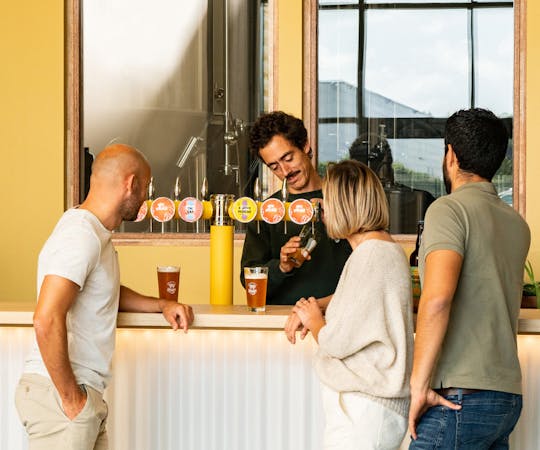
[479, 350]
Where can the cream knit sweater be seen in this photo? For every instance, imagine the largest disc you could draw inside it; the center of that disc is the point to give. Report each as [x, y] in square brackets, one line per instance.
[367, 342]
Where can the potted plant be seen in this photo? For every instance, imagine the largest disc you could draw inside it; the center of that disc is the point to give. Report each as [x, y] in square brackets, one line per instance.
[531, 289]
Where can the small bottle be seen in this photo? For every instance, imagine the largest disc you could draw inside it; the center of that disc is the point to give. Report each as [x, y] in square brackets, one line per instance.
[308, 241]
[413, 259]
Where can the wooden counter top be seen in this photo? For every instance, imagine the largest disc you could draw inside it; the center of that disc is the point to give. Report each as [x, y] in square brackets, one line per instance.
[218, 317]
[206, 316]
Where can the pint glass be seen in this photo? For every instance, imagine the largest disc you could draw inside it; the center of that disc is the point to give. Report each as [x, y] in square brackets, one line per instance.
[256, 279]
[168, 279]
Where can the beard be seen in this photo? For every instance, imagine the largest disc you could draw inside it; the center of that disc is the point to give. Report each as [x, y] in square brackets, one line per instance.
[446, 178]
[130, 209]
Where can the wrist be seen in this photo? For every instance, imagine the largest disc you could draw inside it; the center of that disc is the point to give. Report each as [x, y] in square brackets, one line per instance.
[161, 304]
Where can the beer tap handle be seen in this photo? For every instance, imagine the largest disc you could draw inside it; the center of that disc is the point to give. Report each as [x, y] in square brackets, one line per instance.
[204, 189]
[151, 189]
[257, 195]
[177, 189]
[284, 194]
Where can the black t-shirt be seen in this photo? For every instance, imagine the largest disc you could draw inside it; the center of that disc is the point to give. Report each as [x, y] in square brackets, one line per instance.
[317, 277]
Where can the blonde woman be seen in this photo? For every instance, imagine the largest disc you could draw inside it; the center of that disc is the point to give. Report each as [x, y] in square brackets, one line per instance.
[366, 337]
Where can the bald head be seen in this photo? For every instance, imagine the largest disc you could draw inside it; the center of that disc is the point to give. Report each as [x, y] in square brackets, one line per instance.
[118, 185]
[117, 161]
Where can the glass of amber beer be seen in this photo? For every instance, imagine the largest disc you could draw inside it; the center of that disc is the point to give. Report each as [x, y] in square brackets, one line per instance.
[256, 280]
[168, 279]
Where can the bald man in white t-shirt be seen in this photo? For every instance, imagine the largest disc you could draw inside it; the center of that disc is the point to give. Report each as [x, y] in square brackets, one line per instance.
[60, 395]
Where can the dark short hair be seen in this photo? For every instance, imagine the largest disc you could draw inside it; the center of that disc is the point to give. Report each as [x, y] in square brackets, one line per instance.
[479, 140]
[277, 123]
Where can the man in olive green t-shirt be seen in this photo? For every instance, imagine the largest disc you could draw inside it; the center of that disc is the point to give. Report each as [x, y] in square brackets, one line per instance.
[471, 264]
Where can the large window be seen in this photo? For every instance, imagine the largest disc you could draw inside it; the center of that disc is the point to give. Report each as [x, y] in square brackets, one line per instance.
[390, 74]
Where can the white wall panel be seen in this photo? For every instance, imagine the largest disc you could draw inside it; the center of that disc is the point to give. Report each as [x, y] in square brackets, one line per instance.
[218, 390]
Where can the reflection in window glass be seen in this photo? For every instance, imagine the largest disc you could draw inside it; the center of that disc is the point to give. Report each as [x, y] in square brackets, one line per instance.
[338, 75]
[494, 67]
[378, 2]
[337, 2]
[411, 69]
[425, 72]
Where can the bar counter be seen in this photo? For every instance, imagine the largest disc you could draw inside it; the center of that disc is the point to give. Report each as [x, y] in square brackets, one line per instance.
[232, 382]
[235, 317]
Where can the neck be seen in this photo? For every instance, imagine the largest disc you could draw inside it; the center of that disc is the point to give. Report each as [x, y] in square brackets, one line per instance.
[356, 239]
[108, 218]
[462, 179]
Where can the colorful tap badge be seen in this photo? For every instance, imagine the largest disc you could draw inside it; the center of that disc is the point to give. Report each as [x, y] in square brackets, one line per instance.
[300, 211]
[190, 209]
[143, 211]
[244, 209]
[162, 209]
[272, 210]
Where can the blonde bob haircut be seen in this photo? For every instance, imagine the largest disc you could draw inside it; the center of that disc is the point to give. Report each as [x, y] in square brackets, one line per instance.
[354, 200]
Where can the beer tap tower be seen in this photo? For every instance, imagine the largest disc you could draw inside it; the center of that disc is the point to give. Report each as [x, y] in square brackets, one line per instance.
[222, 210]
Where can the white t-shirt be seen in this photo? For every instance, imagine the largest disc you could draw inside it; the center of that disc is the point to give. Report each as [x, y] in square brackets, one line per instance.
[80, 249]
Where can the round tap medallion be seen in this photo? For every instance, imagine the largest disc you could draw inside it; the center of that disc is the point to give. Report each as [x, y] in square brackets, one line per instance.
[272, 210]
[300, 211]
[162, 209]
[190, 209]
[143, 211]
[244, 209]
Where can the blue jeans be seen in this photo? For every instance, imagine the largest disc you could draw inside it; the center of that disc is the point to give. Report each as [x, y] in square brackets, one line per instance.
[485, 421]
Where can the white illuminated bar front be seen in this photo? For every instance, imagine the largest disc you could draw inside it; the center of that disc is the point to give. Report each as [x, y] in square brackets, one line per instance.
[232, 382]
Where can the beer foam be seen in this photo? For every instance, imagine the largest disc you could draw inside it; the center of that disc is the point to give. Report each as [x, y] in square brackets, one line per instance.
[168, 269]
[256, 276]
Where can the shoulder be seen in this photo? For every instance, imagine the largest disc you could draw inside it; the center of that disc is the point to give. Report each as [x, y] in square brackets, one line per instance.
[78, 230]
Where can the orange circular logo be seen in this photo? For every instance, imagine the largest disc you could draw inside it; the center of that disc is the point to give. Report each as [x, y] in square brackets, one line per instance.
[272, 210]
[143, 211]
[300, 211]
[162, 209]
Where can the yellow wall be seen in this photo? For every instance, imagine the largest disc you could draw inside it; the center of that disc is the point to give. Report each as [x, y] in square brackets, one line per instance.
[31, 137]
[533, 131]
[32, 148]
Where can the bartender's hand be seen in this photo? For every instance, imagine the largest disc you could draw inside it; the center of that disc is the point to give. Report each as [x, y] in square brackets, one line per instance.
[288, 249]
[177, 314]
[293, 325]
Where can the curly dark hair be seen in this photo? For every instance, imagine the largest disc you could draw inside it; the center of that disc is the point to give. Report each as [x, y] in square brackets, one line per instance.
[479, 140]
[277, 123]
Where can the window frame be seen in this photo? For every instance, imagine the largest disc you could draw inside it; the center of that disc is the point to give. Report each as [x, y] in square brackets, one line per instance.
[519, 120]
[74, 113]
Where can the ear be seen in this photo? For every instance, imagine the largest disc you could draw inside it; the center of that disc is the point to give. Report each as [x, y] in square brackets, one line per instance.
[308, 150]
[130, 183]
[451, 158]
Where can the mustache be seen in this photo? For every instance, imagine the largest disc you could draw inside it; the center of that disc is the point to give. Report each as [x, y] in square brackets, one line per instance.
[292, 174]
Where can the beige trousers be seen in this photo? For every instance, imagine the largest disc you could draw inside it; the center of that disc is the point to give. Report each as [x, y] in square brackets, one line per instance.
[40, 411]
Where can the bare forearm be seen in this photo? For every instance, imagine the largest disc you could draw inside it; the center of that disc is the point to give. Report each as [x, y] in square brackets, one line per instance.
[324, 301]
[51, 336]
[131, 301]
[431, 326]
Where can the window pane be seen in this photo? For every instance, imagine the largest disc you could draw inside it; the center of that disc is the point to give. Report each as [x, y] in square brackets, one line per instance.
[416, 1]
[338, 3]
[338, 45]
[494, 68]
[417, 59]
[418, 163]
[338, 78]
